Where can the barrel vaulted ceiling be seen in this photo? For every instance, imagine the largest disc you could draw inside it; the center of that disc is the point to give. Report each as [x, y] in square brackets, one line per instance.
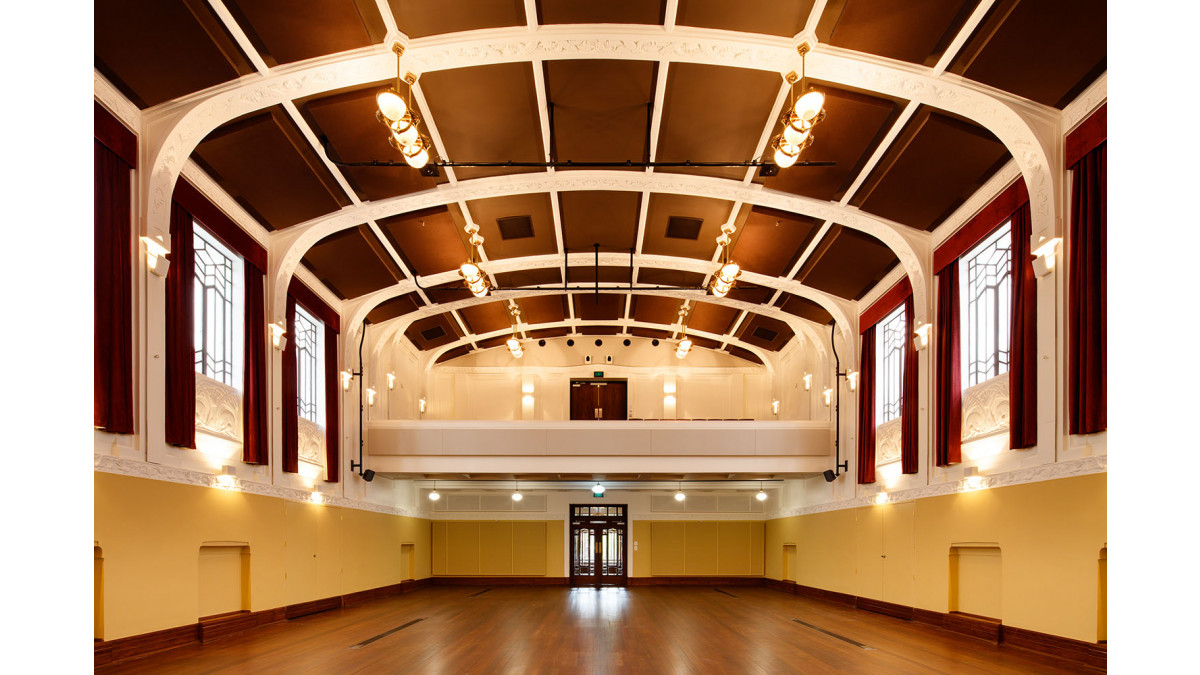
[925, 100]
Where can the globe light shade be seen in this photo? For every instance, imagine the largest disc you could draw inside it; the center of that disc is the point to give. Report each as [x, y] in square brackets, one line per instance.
[418, 157]
[729, 271]
[783, 158]
[679, 496]
[761, 496]
[795, 132]
[391, 105]
[470, 271]
[434, 496]
[516, 497]
[809, 105]
[405, 134]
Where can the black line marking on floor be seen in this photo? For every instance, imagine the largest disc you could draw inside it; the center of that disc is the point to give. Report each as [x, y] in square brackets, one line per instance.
[476, 595]
[725, 592]
[368, 641]
[856, 643]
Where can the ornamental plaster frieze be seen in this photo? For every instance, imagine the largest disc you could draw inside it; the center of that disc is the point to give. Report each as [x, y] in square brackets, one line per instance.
[138, 469]
[1054, 471]
[985, 408]
[887, 442]
[218, 409]
[311, 446]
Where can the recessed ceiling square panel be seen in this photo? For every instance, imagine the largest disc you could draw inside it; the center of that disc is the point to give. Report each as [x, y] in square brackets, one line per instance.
[607, 275]
[847, 263]
[712, 318]
[155, 51]
[804, 308]
[712, 212]
[936, 163]
[486, 114]
[626, 11]
[281, 34]
[917, 32]
[390, 309]
[607, 218]
[429, 240]
[784, 18]
[603, 307]
[347, 119]
[347, 263]
[488, 212]
[265, 163]
[657, 276]
[600, 109]
[770, 241]
[543, 308]
[1045, 51]
[714, 114]
[422, 18]
[765, 332]
[433, 331]
[546, 276]
[655, 309]
[854, 125]
[487, 317]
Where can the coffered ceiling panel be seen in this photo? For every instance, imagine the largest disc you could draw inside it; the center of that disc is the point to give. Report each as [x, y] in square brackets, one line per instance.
[936, 163]
[514, 226]
[704, 342]
[607, 275]
[461, 350]
[603, 307]
[916, 31]
[651, 333]
[281, 34]
[347, 119]
[547, 276]
[712, 318]
[598, 330]
[847, 263]
[714, 114]
[430, 241]
[744, 354]
[1045, 51]
[390, 309]
[682, 237]
[784, 18]
[547, 308]
[626, 11]
[656, 276]
[265, 163]
[433, 331]
[594, 217]
[655, 309]
[154, 51]
[487, 317]
[543, 333]
[600, 109]
[486, 114]
[422, 18]
[805, 309]
[350, 264]
[763, 331]
[770, 241]
[746, 292]
[855, 123]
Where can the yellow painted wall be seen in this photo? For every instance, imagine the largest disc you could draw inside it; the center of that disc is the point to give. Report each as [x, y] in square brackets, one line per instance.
[151, 533]
[1049, 535]
[698, 548]
[524, 548]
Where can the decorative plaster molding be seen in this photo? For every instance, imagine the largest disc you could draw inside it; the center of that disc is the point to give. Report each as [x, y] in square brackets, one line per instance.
[887, 442]
[1085, 104]
[116, 103]
[218, 409]
[312, 442]
[985, 408]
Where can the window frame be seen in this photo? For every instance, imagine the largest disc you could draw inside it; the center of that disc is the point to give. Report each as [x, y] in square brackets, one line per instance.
[986, 307]
[310, 343]
[224, 297]
[891, 333]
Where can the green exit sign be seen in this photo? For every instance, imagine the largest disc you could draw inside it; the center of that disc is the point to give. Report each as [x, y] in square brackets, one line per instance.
[597, 373]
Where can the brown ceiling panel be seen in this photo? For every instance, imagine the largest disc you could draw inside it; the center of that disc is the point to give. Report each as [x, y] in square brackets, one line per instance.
[599, 330]
[265, 163]
[155, 51]
[784, 18]
[603, 307]
[487, 317]
[650, 333]
[704, 342]
[936, 163]
[917, 32]
[433, 331]
[347, 119]
[745, 292]
[763, 331]
[390, 309]
[655, 309]
[486, 114]
[498, 341]
[1044, 51]
[714, 114]
[855, 123]
[745, 354]
[421, 18]
[281, 34]
[804, 308]
[655, 276]
[429, 240]
[600, 109]
[348, 264]
[546, 308]
[713, 212]
[849, 265]
[712, 318]
[607, 275]
[543, 333]
[451, 291]
[461, 350]
[594, 217]
[546, 276]
[771, 241]
[627, 11]
[487, 212]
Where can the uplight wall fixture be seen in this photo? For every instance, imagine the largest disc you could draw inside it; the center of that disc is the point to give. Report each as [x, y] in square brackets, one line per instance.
[399, 116]
[852, 379]
[421, 404]
[1043, 256]
[807, 381]
[156, 252]
[391, 378]
[346, 377]
[828, 394]
[921, 336]
[801, 115]
[278, 335]
[371, 393]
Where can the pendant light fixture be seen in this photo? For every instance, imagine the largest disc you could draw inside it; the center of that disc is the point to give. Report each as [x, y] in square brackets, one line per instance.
[514, 343]
[433, 494]
[472, 274]
[728, 271]
[801, 115]
[685, 343]
[399, 116]
[516, 495]
[761, 496]
[679, 496]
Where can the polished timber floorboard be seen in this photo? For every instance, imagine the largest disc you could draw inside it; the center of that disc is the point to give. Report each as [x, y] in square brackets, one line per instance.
[655, 629]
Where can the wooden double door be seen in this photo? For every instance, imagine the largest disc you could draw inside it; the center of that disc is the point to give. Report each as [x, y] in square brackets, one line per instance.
[599, 545]
[599, 400]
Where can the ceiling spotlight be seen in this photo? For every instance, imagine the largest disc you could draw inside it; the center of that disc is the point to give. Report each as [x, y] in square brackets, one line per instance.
[685, 345]
[679, 496]
[761, 496]
[433, 494]
[514, 347]
[516, 495]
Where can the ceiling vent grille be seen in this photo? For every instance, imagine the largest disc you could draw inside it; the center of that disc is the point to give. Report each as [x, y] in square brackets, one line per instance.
[765, 334]
[515, 227]
[431, 334]
[683, 228]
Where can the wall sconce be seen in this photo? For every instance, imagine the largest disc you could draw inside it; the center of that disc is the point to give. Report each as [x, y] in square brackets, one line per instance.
[391, 377]
[852, 379]
[421, 404]
[972, 483]
[527, 399]
[227, 480]
[278, 335]
[775, 407]
[828, 394]
[921, 336]
[1044, 256]
[527, 388]
[317, 498]
[156, 252]
[669, 399]
[807, 381]
[881, 498]
[346, 377]
[370, 396]
[669, 387]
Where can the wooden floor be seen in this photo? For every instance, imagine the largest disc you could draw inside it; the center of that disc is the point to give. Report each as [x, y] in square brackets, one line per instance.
[656, 629]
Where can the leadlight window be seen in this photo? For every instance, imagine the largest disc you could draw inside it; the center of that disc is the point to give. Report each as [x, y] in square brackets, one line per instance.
[987, 307]
[217, 304]
[309, 335]
[891, 335]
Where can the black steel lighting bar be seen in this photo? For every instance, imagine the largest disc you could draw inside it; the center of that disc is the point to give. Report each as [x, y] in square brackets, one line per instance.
[839, 465]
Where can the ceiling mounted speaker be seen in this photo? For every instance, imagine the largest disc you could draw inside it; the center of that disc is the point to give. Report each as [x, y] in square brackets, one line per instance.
[587, 358]
[570, 343]
[829, 475]
[626, 342]
[368, 475]
[654, 343]
[541, 343]
[608, 358]
[599, 342]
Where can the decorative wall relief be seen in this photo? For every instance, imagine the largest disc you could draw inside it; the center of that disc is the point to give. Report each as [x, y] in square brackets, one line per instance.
[985, 408]
[887, 442]
[312, 442]
[218, 409]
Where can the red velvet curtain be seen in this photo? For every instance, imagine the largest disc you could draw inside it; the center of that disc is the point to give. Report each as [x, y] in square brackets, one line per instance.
[866, 408]
[333, 437]
[947, 428]
[180, 395]
[909, 406]
[1087, 290]
[1022, 365]
[291, 408]
[254, 360]
[112, 408]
